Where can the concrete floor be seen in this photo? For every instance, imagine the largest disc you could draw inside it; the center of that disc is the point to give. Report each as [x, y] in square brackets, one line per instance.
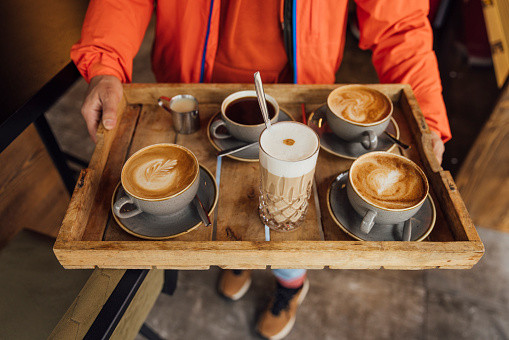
[348, 304]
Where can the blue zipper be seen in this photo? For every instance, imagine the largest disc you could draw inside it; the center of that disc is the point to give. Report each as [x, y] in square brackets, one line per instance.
[294, 38]
[202, 68]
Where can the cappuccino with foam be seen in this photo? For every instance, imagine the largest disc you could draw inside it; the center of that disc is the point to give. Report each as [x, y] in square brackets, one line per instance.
[160, 179]
[159, 171]
[359, 104]
[358, 114]
[385, 188]
[288, 154]
[389, 181]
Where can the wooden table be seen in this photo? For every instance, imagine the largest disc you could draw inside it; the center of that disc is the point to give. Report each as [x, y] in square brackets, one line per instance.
[89, 237]
[484, 176]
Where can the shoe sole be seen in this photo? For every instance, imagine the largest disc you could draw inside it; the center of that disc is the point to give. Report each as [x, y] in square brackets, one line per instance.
[289, 326]
[240, 293]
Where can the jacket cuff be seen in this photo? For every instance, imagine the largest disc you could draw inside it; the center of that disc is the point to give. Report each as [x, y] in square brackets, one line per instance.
[103, 70]
[95, 64]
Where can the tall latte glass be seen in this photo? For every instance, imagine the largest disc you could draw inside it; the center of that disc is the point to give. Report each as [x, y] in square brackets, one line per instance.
[288, 154]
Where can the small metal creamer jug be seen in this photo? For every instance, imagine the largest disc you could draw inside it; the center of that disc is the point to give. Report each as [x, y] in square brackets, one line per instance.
[184, 112]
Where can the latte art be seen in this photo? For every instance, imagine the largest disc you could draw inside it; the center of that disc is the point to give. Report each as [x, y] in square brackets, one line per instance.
[389, 182]
[384, 180]
[160, 172]
[156, 175]
[159, 169]
[359, 104]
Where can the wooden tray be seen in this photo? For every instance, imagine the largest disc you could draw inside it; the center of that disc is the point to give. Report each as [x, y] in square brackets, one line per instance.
[90, 237]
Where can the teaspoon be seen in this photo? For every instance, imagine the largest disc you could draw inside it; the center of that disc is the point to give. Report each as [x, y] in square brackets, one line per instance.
[201, 211]
[397, 141]
[261, 99]
[407, 230]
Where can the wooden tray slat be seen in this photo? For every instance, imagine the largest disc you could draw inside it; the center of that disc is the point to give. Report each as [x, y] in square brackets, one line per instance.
[247, 254]
[111, 175]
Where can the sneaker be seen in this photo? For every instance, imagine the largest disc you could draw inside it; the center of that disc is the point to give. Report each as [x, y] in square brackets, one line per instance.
[233, 284]
[278, 319]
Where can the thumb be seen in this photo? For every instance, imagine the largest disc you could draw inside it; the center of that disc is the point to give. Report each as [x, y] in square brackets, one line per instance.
[109, 114]
[109, 118]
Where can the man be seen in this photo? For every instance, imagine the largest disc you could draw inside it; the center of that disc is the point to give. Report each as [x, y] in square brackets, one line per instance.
[288, 41]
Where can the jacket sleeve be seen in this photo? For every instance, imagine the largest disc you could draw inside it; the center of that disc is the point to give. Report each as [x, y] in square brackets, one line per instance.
[400, 36]
[111, 36]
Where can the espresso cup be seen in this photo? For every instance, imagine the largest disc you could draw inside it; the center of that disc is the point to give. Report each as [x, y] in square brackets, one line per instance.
[385, 188]
[359, 114]
[159, 179]
[242, 117]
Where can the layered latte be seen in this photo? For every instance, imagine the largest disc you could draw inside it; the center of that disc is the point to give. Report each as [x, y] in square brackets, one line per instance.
[288, 154]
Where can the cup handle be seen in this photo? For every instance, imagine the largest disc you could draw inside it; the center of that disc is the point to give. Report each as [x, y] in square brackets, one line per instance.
[368, 221]
[369, 140]
[213, 127]
[117, 207]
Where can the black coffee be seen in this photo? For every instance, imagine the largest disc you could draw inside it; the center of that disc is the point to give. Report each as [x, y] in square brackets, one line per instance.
[246, 111]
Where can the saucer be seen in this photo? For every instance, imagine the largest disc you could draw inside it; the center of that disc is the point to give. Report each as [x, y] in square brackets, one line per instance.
[247, 155]
[347, 218]
[154, 227]
[339, 147]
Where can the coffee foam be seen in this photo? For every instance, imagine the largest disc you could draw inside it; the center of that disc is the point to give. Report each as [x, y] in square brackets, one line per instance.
[359, 104]
[289, 142]
[159, 172]
[388, 181]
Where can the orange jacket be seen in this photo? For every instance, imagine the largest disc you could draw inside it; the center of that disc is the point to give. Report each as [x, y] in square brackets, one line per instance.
[186, 39]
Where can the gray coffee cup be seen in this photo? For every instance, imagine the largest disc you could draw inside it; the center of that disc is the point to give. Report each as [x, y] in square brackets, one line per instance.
[157, 206]
[352, 131]
[243, 132]
[376, 214]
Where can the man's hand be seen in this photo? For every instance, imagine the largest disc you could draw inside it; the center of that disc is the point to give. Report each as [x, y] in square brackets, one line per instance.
[101, 101]
[438, 146]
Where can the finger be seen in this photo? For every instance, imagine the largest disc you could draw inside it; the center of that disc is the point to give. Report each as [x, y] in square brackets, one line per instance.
[110, 103]
[439, 152]
[92, 117]
[92, 125]
[437, 146]
[109, 115]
